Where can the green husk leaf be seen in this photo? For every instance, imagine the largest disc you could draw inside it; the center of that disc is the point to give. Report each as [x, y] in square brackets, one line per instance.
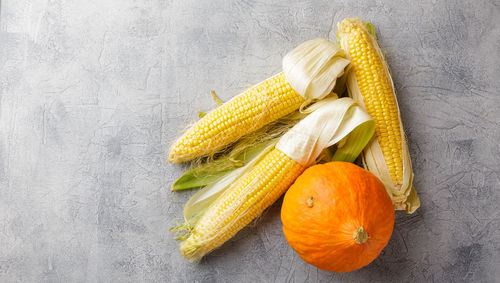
[351, 146]
[201, 114]
[371, 29]
[197, 177]
[209, 173]
[217, 100]
[200, 201]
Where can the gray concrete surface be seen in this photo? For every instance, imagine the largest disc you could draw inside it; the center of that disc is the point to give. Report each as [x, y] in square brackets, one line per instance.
[93, 92]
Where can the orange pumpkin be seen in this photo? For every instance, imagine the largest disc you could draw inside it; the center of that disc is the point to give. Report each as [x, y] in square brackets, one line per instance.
[337, 216]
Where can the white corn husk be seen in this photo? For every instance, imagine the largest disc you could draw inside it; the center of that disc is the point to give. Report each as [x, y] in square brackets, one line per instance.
[404, 196]
[312, 68]
[324, 127]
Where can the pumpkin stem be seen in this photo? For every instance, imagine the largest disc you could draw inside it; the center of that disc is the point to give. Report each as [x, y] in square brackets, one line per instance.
[360, 235]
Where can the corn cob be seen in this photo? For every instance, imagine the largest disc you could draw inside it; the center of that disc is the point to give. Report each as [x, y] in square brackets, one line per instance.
[370, 84]
[241, 203]
[317, 63]
[261, 185]
[245, 113]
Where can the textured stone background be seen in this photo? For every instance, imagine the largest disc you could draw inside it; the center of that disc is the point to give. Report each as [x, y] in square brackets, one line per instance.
[93, 92]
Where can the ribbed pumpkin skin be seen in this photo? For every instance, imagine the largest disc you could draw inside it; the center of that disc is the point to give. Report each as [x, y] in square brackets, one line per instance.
[344, 197]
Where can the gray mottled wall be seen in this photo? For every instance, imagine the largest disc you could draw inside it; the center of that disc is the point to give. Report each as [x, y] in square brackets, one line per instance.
[93, 92]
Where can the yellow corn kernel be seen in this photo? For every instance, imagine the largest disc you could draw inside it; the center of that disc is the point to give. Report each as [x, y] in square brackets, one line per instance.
[245, 113]
[377, 91]
[241, 203]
